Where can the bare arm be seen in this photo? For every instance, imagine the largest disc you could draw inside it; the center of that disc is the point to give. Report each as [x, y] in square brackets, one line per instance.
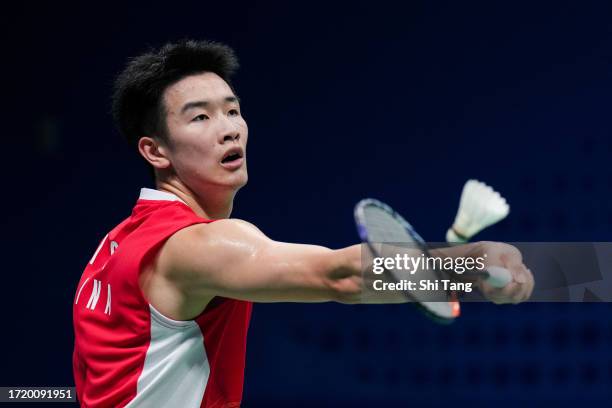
[232, 258]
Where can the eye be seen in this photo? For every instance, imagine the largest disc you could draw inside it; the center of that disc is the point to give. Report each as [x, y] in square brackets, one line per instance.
[234, 112]
[200, 117]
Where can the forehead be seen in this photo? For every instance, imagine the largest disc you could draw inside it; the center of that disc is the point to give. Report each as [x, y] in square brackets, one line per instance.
[204, 86]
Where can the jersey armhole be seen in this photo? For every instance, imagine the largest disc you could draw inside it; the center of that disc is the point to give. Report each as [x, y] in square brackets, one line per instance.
[148, 258]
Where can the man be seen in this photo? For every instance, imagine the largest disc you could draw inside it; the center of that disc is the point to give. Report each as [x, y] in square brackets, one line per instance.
[162, 309]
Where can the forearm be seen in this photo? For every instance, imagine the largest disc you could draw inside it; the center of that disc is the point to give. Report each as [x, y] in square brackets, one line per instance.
[328, 275]
[284, 272]
[307, 273]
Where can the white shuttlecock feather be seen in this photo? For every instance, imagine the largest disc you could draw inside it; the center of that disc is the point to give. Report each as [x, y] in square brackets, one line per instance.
[480, 206]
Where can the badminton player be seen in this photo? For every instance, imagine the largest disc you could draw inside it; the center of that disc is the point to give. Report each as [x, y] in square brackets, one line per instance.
[162, 309]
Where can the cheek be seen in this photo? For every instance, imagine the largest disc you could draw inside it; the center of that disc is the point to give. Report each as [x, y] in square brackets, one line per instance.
[244, 130]
[195, 153]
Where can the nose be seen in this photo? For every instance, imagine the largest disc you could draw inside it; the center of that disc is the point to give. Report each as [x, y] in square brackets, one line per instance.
[231, 137]
[229, 133]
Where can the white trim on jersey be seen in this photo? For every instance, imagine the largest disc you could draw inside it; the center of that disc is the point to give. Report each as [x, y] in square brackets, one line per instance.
[157, 195]
[95, 294]
[93, 258]
[176, 368]
[80, 290]
[107, 309]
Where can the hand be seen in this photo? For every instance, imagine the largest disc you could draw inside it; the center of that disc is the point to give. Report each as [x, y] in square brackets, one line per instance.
[509, 257]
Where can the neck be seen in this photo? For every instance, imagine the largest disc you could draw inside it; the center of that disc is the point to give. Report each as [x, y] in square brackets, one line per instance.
[216, 204]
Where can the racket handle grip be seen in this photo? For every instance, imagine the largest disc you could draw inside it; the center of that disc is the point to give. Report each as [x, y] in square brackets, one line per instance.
[498, 277]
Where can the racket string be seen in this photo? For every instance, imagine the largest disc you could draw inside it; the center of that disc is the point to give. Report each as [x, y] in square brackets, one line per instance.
[385, 227]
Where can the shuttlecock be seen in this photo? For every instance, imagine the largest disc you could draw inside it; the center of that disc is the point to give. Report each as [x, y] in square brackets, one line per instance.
[480, 206]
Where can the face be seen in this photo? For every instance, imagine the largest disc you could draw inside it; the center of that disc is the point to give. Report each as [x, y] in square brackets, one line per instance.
[207, 134]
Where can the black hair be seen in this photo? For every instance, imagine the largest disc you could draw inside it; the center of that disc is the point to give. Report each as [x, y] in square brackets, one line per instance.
[137, 101]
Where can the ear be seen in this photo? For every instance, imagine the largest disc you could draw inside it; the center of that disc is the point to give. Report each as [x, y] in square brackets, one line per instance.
[153, 152]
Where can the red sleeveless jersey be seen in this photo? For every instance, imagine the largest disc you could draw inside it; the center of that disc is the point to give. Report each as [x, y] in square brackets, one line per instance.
[126, 353]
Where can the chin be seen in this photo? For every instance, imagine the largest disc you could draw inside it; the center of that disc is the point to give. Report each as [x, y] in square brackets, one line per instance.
[237, 180]
[243, 181]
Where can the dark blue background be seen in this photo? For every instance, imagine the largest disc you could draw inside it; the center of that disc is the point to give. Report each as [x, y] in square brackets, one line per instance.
[343, 101]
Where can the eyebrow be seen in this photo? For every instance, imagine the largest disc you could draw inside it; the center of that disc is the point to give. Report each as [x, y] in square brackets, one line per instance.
[204, 103]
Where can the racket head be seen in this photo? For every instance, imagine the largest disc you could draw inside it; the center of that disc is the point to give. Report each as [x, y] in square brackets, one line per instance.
[378, 223]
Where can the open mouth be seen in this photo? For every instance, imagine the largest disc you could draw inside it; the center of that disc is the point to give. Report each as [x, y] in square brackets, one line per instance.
[231, 157]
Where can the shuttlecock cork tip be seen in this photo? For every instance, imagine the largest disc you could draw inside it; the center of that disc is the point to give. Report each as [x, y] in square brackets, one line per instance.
[479, 207]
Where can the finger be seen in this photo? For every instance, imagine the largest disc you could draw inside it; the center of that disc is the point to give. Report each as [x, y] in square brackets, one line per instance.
[530, 285]
[525, 291]
[520, 274]
[515, 265]
[515, 292]
[511, 260]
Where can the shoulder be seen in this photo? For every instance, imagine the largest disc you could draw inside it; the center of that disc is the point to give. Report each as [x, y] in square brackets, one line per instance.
[202, 233]
[210, 245]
